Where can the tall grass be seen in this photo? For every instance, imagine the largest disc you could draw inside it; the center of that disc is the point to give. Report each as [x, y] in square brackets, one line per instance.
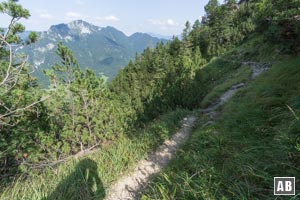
[256, 138]
[240, 75]
[90, 176]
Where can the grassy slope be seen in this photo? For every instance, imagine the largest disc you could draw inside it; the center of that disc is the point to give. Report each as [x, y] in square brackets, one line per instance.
[236, 158]
[256, 137]
[88, 177]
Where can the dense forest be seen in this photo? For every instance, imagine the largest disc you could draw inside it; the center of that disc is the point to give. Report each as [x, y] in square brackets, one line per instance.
[80, 111]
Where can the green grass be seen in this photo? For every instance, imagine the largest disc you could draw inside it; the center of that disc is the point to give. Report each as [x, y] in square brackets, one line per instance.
[223, 72]
[256, 138]
[241, 75]
[89, 177]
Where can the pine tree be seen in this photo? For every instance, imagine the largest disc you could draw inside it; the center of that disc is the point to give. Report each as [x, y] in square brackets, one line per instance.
[212, 12]
[279, 20]
[21, 105]
[198, 60]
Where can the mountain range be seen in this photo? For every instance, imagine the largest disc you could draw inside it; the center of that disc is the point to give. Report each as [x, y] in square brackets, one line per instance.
[103, 49]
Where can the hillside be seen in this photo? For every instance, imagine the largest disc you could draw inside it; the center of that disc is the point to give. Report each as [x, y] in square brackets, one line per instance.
[235, 151]
[213, 115]
[104, 50]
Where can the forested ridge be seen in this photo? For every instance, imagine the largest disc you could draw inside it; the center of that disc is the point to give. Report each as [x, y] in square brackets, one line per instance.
[79, 111]
[170, 75]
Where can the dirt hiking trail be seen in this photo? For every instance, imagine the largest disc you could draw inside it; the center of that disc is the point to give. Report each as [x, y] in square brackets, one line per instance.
[129, 186]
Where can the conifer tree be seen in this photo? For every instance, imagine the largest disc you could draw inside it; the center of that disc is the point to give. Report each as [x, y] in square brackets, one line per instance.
[280, 21]
[20, 99]
[198, 60]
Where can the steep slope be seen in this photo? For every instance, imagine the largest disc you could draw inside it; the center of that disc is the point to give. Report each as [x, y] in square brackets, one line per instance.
[89, 176]
[239, 145]
[104, 50]
[130, 186]
[236, 151]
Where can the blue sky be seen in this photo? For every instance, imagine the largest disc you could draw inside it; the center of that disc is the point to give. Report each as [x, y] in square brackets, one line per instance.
[166, 17]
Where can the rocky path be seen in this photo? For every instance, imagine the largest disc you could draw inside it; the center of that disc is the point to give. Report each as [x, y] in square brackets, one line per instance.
[130, 185]
[256, 67]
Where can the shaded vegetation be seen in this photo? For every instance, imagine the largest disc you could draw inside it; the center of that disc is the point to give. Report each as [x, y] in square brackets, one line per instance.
[83, 183]
[113, 159]
[80, 112]
[255, 139]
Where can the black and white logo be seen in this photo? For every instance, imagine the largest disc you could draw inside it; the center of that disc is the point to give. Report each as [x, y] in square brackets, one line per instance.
[284, 185]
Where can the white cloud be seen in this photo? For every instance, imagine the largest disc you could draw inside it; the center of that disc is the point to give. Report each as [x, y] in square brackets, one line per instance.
[44, 14]
[110, 18]
[47, 16]
[75, 15]
[168, 22]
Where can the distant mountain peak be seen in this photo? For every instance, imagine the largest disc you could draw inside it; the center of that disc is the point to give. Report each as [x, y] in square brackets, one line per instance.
[77, 27]
[139, 33]
[104, 50]
[79, 21]
[82, 27]
[61, 29]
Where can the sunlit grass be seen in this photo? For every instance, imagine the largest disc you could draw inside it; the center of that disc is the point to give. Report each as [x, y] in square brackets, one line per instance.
[88, 177]
[241, 75]
[255, 139]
